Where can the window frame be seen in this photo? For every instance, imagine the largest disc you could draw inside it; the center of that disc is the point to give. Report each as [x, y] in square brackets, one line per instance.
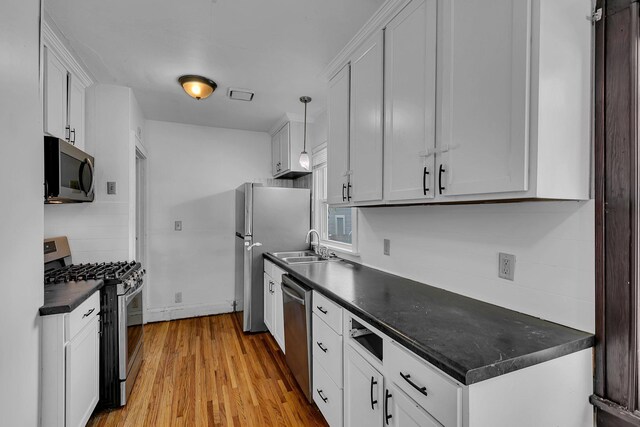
[320, 206]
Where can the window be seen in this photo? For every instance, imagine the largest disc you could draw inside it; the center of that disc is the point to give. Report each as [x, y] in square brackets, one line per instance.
[336, 225]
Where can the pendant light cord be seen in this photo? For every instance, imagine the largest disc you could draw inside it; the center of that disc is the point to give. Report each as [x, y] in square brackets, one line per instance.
[304, 148]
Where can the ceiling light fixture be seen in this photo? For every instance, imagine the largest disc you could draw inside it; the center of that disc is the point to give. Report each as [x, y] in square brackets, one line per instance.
[304, 157]
[197, 87]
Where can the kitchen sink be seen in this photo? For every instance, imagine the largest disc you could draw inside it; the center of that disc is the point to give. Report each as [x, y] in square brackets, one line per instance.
[301, 257]
[297, 254]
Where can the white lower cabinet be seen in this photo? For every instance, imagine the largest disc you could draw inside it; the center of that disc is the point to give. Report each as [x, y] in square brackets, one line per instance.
[363, 391]
[71, 365]
[273, 307]
[401, 411]
[82, 377]
[384, 384]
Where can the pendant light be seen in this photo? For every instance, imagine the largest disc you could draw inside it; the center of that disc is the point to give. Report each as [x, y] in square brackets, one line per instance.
[304, 156]
[197, 87]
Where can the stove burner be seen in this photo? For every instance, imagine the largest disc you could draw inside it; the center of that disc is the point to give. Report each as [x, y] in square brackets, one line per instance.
[105, 271]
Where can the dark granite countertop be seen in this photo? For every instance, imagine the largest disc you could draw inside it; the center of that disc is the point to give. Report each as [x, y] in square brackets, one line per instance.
[468, 339]
[65, 297]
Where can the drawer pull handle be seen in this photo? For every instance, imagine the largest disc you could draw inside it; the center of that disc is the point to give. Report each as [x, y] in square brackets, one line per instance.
[323, 348]
[88, 313]
[407, 377]
[322, 310]
[387, 415]
[324, 399]
[373, 382]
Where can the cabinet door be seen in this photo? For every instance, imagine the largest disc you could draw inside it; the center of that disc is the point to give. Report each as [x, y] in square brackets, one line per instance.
[269, 286]
[366, 120]
[275, 154]
[338, 142]
[485, 96]
[278, 315]
[285, 147]
[55, 96]
[76, 112]
[82, 375]
[363, 391]
[410, 101]
[401, 411]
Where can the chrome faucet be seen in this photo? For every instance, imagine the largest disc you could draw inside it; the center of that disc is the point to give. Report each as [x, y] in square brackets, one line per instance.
[318, 249]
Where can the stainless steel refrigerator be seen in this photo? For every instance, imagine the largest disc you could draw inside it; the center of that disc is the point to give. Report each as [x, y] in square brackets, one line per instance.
[268, 219]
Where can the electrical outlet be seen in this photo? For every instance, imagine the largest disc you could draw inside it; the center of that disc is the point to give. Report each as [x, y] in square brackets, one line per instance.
[178, 226]
[387, 247]
[111, 187]
[178, 296]
[506, 266]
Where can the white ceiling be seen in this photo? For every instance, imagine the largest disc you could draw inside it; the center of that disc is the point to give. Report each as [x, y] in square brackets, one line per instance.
[278, 48]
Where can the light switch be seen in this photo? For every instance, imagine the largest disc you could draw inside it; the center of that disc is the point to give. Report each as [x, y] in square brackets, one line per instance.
[178, 226]
[111, 187]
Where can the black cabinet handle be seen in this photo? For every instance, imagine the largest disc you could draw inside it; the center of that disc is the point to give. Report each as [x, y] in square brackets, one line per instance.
[440, 171]
[72, 139]
[373, 382]
[271, 286]
[387, 415]
[322, 310]
[424, 181]
[407, 377]
[67, 133]
[323, 348]
[324, 399]
[88, 313]
[344, 187]
[349, 191]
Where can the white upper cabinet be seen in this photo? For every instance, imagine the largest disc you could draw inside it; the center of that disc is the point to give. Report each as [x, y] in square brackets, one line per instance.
[484, 136]
[338, 142]
[76, 112]
[64, 84]
[55, 96]
[410, 102]
[507, 115]
[365, 142]
[286, 145]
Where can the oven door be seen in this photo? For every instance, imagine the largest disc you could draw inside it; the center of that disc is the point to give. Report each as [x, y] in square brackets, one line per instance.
[130, 334]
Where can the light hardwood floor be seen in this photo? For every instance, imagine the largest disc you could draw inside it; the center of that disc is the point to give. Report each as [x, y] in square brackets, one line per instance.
[206, 372]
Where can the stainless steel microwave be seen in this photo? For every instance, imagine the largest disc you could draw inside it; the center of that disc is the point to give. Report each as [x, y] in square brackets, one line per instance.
[69, 175]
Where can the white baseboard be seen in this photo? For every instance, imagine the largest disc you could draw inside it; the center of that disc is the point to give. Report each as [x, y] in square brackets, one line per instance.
[163, 314]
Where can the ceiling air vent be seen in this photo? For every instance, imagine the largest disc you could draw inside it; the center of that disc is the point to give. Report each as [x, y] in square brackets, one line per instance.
[240, 94]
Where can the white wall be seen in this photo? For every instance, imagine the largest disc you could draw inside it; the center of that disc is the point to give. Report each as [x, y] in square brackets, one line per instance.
[21, 161]
[101, 231]
[193, 172]
[456, 248]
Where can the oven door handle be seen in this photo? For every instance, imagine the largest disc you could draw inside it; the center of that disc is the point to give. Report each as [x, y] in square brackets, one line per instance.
[129, 296]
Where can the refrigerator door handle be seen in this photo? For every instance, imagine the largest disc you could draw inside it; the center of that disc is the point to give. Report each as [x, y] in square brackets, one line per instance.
[250, 247]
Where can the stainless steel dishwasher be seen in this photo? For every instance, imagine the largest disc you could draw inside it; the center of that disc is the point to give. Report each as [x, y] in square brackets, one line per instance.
[297, 331]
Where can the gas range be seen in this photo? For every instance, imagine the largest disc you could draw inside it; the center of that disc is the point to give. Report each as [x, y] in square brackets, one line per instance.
[125, 275]
[121, 315]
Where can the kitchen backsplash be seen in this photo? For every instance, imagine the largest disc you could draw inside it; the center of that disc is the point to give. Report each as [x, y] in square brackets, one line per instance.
[456, 248]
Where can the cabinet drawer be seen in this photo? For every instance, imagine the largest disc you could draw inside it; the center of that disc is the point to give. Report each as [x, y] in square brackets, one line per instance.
[327, 349]
[82, 315]
[277, 274]
[327, 396]
[268, 267]
[328, 311]
[409, 373]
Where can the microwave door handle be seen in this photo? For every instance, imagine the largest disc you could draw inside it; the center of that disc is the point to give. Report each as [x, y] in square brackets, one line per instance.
[93, 175]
